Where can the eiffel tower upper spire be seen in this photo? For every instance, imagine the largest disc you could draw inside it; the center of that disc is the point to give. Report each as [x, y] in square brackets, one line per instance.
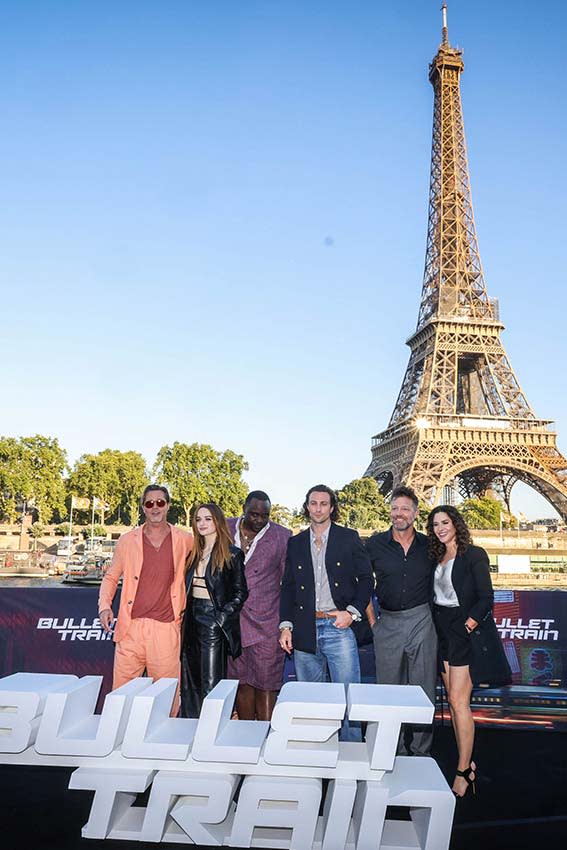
[445, 30]
[453, 281]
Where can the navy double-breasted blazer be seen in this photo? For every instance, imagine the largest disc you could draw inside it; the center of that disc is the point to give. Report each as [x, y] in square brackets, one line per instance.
[350, 580]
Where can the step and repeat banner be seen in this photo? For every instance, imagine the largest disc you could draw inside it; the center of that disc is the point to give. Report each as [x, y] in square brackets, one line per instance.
[57, 630]
[54, 630]
[533, 629]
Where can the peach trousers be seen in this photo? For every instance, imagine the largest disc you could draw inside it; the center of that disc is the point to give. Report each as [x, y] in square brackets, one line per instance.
[151, 646]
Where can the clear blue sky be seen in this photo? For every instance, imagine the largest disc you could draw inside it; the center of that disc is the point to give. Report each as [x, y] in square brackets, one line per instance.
[213, 218]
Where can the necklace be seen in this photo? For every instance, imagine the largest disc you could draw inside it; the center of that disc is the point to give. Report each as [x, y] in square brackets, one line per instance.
[206, 554]
[245, 540]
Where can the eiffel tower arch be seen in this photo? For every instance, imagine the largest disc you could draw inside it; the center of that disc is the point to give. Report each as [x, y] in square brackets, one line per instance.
[461, 415]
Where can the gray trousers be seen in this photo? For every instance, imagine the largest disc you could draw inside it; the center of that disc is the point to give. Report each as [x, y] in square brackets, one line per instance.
[405, 647]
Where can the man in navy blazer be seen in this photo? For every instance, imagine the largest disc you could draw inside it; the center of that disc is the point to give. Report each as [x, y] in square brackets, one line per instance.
[326, 587]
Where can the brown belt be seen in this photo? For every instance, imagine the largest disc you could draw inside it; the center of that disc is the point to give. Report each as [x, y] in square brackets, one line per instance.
[324, 615]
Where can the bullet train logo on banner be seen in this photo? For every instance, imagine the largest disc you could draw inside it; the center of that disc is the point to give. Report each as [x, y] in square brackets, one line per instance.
[195, 767]
[535, 628]
[68, 629]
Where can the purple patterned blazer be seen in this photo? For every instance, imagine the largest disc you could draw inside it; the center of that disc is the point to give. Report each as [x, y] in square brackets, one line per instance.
[260, 616]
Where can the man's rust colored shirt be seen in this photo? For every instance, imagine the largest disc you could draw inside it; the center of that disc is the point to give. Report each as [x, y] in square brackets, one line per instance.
[153, 596]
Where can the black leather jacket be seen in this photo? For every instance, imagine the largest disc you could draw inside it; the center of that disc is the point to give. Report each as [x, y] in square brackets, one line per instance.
[228, 591]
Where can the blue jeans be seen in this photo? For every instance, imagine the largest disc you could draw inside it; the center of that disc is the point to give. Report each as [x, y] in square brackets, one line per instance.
[336, 659]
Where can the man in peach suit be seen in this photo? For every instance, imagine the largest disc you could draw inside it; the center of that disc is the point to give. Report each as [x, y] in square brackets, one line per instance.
[151, 561]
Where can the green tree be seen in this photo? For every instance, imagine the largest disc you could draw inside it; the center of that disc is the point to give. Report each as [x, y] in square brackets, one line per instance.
[35, 531]
[482, 513]
[510, 520]
[47, 463]
[281, 515]
[298, 519]
[198, 473]
[96, 476]
[423, 512]
[31, 471]
[14, 477]
[97, 530]
[133, 477]
[362, 505]
[117, 478]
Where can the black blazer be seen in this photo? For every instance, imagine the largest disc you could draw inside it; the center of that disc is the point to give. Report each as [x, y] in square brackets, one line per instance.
[471, 579]
[350, 580]
[228, 591]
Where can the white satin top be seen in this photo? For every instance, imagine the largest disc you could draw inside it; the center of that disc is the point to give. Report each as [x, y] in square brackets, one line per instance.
[443, 590]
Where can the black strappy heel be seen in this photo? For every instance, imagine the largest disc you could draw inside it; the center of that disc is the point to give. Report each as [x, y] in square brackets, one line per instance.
[466, 774]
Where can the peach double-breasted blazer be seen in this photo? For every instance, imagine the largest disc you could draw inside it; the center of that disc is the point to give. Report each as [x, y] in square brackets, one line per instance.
[127, 562]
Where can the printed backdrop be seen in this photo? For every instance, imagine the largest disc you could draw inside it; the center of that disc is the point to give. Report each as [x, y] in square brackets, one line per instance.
[56, 630]
[533, 628]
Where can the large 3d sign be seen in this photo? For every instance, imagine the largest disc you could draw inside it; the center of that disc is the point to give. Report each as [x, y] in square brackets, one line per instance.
[217, 781]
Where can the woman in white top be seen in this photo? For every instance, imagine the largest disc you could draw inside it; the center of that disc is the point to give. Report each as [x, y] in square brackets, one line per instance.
[463, 597]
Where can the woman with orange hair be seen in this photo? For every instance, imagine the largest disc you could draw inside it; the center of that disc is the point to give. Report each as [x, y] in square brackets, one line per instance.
[216, 591]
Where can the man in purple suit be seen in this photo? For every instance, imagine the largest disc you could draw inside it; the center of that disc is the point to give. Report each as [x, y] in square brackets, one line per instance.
[260, 667]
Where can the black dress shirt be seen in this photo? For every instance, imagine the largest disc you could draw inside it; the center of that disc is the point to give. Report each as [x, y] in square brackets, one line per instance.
[402, 581]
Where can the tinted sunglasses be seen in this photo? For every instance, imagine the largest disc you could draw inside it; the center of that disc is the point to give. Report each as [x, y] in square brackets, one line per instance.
[159, 503]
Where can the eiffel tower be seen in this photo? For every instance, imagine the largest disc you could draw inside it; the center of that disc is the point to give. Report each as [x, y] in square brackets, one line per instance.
[461, 419]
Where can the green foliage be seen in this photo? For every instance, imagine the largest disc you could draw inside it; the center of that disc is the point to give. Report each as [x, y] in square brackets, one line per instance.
[292, 519]
[481, 513]
[97, 531]
[423, 512]
[510, 521]
[13, 477]
[31, 471]
[47, 462]
[133, 478]
[62, 529]
[281, 515]
[298, 520]
[198, 473]
[362, 505]
[36, 530]
[118, 478]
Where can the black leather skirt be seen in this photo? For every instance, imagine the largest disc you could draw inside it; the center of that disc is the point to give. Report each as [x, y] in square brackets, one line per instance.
[203, 655]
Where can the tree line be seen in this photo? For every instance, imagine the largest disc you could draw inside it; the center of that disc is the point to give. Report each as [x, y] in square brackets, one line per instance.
[35, 477]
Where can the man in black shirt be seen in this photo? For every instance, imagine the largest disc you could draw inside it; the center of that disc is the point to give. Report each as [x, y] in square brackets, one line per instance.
[405, 641]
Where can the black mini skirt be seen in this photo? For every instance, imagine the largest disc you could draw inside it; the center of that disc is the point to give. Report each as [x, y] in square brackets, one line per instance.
[454, 640]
